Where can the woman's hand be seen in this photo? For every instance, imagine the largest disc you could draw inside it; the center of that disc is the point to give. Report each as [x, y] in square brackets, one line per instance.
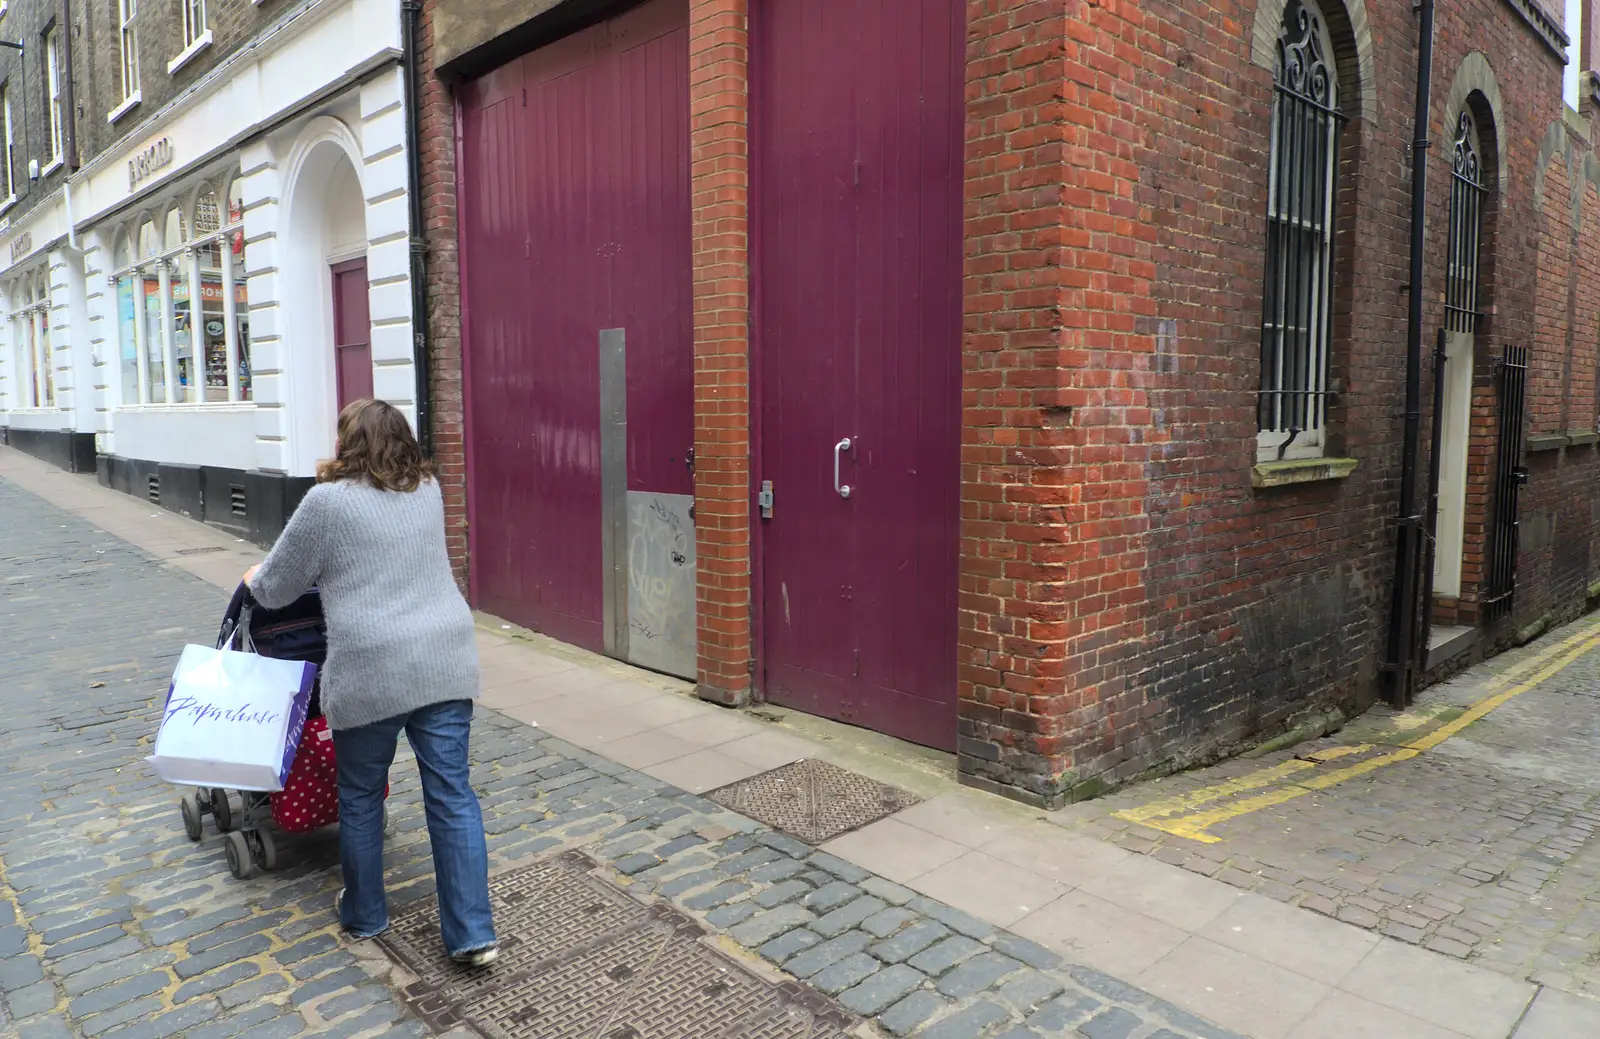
[251, 573]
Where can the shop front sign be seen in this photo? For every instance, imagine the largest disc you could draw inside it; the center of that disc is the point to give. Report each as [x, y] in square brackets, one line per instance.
[149, 162]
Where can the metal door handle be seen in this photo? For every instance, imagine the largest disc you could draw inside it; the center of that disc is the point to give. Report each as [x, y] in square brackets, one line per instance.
[838, 449]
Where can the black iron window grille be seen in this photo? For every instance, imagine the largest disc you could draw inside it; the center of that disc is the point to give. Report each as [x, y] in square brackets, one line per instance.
[1466, 211]
[1297, 304]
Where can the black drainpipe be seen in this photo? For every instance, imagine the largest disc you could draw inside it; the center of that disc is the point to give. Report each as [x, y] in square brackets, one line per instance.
[1403, 616]
[410, 11]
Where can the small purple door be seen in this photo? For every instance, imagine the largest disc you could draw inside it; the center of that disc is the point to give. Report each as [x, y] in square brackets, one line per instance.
[858, 177]
[352, 331]
[575, 221]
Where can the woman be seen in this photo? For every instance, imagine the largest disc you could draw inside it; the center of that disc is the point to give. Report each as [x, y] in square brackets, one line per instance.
[402, 654]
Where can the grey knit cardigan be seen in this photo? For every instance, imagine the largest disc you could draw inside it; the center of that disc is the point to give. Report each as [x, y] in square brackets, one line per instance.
[400, 636]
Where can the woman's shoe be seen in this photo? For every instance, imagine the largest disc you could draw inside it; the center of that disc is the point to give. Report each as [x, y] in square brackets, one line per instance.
[478, 957]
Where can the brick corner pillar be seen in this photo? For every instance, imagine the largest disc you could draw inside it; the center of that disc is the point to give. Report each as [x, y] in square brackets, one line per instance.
[437, 134]
[1055, 275]
[720, 188]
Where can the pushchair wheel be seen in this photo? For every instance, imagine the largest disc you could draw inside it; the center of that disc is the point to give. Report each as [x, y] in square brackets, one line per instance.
[267, 857]
[240, 862]
[222, 809]
[191, 817]
[228, 807]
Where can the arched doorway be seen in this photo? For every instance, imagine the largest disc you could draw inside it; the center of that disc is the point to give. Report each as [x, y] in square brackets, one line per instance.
[327, 336]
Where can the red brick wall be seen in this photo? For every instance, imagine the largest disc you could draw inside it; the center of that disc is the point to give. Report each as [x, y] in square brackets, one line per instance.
[1129, 601]
[1581, 404]
[720, 179]
[437, 133]
[1547, 374]
[1018, 726]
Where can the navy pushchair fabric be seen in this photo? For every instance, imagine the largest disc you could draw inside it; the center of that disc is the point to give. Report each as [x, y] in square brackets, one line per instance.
[296, 632]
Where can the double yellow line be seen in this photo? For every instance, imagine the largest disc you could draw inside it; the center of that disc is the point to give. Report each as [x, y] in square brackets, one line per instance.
[1176, 815]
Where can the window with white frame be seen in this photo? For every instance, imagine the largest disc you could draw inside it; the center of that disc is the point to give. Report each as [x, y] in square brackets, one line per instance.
[182, 303]
[129, 11]
[194, 21]
[52, 102]
[7, 184]
[1297, 301]
[30, 338]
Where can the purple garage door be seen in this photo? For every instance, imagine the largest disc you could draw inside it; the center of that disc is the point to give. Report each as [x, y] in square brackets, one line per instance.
[858, 174]
[575, 241]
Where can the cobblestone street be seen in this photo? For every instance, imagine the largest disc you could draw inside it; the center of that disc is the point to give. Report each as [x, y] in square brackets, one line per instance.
[114, 924]
[1480, 848]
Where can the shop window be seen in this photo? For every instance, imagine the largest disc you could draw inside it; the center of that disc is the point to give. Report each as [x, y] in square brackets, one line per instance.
[127, 314]
[183, 306]
[129, 11]
[153, 387]
[30, 334]
[52, 86]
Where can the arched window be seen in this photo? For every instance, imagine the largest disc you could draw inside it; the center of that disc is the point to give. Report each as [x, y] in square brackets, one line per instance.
[1297, 303]
[30, 331]
[181, 302]
[1466, 221]
[148, 275]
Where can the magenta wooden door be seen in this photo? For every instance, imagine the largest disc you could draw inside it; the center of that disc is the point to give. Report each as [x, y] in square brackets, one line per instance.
[352, 331]
[858, 150]
[574, 220]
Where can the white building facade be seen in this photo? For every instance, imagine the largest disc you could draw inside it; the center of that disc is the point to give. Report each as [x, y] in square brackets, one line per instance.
[188, 313]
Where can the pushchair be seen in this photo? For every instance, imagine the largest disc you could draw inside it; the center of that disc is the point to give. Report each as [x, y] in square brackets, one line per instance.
[310, 797]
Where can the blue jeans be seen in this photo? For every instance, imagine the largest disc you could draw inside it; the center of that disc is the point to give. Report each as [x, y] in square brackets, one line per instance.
[439, 735]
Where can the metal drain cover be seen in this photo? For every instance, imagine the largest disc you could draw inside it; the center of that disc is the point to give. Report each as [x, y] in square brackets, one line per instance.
[581, 959]
[813, 800]
[198, 551]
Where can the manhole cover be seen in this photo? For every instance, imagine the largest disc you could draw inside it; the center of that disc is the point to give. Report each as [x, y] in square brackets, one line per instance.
[582, 959]
[813, 800]
[198, 551]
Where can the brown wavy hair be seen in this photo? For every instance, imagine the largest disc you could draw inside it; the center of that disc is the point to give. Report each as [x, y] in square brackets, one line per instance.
[376, 445]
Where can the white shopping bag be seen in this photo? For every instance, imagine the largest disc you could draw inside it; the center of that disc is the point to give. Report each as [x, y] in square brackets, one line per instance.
[232, 720]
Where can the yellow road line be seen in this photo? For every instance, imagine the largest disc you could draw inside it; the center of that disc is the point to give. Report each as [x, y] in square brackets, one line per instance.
[1328, 754]
[1185, 802]
[1196, 825]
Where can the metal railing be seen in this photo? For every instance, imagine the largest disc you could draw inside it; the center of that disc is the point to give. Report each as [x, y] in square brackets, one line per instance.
[1510, 476]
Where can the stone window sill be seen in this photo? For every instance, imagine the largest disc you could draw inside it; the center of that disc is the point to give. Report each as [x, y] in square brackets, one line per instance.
[200, 43]
[1556, 441]
[127, 106]
[1300, 470]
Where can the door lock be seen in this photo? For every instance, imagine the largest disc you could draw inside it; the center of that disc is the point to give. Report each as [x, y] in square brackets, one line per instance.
[764, 499]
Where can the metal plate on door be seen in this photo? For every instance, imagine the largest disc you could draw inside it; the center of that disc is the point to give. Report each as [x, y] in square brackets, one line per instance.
[661, 582]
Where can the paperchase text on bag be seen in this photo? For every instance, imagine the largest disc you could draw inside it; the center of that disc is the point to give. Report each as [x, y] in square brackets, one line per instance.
[232, 719]
[202, 711]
